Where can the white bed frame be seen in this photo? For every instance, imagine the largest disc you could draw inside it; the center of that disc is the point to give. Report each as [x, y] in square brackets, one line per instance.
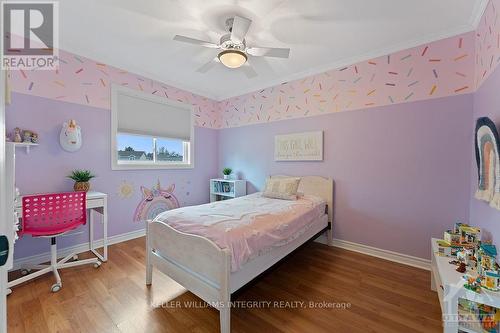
[200, 266]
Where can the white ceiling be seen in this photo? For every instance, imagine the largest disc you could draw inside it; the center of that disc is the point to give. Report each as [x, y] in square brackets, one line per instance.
[136, 35]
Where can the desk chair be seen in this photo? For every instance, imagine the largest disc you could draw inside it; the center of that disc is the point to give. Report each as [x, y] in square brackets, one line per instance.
[52, 215]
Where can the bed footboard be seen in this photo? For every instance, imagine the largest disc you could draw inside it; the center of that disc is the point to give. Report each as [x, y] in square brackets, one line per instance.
[193, 261]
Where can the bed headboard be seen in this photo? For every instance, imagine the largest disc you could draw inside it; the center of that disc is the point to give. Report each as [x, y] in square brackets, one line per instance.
[316, 185]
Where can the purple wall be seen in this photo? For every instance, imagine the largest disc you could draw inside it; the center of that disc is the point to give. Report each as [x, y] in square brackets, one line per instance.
[46, 167]
[401, 172]
[486, 104]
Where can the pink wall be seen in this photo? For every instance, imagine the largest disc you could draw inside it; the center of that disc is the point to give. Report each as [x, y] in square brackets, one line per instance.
[401, 172]
[87, 82]
[487, 43]
[438, 69]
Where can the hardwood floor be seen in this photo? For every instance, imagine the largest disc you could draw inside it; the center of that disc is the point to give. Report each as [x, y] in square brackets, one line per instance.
[377, 296]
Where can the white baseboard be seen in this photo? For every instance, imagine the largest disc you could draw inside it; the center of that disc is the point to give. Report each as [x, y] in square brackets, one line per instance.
[380, 253]
[44, 257]
[365, 249]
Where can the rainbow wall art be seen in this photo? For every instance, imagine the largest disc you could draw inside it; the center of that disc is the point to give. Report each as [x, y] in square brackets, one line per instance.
[488, 162]
[155, 201]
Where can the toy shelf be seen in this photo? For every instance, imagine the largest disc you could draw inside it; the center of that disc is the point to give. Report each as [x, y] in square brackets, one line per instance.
[449, 285]
[25, 145]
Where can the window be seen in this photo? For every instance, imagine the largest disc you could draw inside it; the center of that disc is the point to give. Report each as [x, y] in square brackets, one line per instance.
[149, 131]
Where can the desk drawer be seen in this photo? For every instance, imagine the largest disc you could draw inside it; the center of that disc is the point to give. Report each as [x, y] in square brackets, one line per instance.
[93, 203]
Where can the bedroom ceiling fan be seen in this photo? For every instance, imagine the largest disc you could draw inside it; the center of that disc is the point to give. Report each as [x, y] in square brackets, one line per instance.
[234, 50]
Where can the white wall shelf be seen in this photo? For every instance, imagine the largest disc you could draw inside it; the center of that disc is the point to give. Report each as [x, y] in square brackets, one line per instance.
[26, 145]
[223, 189]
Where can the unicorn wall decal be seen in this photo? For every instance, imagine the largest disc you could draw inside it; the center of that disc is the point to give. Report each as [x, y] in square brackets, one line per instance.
[154, 201]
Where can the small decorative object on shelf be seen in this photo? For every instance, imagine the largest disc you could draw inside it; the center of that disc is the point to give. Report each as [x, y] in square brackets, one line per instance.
[17, 135]
[227, 172]
[27, 135]
[81, 178]
[34, 137]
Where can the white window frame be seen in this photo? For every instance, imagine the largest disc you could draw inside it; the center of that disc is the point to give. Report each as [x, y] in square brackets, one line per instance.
[140, 165]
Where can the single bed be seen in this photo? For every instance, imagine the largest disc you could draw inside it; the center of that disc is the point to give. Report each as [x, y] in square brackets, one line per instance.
[215, 249]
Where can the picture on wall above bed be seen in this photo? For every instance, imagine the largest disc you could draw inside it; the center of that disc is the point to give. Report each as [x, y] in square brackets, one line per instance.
[488, 162]
[306, 146]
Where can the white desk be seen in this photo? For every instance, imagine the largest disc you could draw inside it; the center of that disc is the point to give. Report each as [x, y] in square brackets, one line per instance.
[96, 202]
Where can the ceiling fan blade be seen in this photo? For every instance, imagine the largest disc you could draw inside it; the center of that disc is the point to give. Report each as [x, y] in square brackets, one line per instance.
[240, 29]
[269, 52]
[209, 65]
[248, 70]
[195, 41]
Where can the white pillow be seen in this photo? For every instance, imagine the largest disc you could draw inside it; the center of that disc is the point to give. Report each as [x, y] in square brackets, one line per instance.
[282, 188]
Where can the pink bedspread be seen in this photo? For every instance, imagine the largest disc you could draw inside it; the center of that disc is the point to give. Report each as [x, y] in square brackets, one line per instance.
[249, 225]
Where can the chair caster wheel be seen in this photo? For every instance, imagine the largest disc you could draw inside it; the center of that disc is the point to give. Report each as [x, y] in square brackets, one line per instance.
[25, 271]
[56, 287]
[97, 264]
[75, 257]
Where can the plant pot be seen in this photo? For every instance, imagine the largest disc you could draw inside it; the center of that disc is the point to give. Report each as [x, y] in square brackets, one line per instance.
[81, 186]
[226, 177]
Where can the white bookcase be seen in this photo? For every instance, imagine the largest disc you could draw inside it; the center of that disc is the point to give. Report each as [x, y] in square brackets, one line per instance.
[223, 189]
[448, 283]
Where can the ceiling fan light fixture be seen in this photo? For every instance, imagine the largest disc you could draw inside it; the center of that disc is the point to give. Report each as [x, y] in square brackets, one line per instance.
[232, 58]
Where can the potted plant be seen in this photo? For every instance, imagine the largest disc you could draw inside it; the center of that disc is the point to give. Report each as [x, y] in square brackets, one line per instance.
[81, 178]
[227, 172]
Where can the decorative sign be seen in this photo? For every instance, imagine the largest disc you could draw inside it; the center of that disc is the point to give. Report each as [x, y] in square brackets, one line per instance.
[306, 146]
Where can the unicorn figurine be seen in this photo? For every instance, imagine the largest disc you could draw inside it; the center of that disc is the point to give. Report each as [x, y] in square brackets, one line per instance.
[155, 201]
[71, 136]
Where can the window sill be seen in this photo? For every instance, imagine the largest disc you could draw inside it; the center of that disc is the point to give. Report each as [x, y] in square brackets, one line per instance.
[131, 166]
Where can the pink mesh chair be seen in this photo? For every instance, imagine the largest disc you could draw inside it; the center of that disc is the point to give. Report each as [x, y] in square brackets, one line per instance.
[51, 215]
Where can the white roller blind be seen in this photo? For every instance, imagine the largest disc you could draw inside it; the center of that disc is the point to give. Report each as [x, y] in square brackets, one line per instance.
[141, 115]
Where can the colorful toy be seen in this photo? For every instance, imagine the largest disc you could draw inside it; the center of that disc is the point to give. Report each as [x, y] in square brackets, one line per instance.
[489, 317]
[466, 256]
[487, 268]
[462, 268]
[469, 236]
[452, 237]
[473, 283]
